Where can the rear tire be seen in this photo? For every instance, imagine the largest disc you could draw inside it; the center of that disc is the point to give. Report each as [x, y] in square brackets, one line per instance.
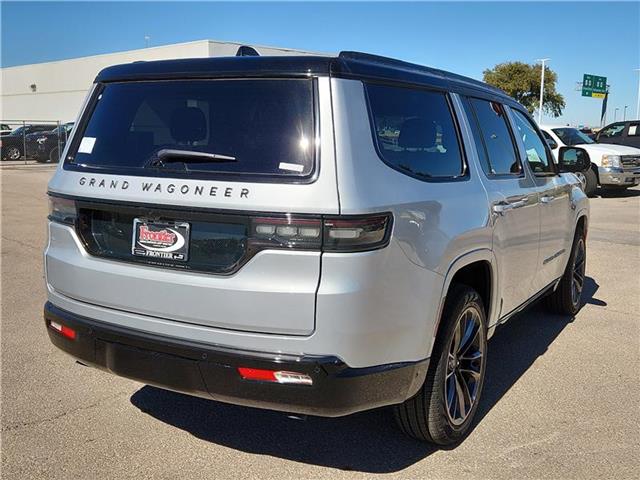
[13, 153]
[567, 297]
[443, 409]
[591, 183]
[53, 155]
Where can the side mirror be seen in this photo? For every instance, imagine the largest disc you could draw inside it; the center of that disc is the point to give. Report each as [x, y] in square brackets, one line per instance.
[573, 159]
[552, 143]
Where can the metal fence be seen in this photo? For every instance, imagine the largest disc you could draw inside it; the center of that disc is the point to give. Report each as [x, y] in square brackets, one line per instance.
[33, 140]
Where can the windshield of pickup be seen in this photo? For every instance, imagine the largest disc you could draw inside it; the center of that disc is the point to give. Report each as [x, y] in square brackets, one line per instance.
[571, 136]
[257, 127]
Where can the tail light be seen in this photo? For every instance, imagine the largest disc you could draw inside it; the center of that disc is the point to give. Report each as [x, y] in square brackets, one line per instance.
[287, 232]
[333, 234]
[62, 210]
[327, 233]
[357, 233]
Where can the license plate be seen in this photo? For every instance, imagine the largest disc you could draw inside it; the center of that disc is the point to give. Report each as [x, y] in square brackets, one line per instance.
[160, 240]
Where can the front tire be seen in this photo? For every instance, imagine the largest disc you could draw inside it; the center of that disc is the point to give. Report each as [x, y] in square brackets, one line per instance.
[567, 297]
[443, 409]
[591, 183]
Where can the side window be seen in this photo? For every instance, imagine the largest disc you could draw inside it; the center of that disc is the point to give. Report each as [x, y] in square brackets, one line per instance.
[415, 131]
[634, 130]
[501, 152]
[537, 154]
[477, 136]
[550, 141]
[614, 130]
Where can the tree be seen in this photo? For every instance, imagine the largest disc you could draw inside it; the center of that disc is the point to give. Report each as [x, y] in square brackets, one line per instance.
[522, 82]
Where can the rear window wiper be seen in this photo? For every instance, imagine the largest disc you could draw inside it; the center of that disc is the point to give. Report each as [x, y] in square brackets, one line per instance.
[168, 155]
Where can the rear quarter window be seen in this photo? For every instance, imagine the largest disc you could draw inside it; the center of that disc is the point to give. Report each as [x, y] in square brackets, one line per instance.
[415, 131]
[259, 128]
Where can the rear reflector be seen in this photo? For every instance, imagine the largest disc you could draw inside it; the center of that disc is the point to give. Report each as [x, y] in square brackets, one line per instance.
[63, 330]
[275, 376]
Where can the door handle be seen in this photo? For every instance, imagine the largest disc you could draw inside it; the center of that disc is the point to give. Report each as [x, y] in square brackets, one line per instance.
[547, 199]
[501, 207]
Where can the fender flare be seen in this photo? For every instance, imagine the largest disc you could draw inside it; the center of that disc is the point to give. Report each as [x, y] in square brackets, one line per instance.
[479, 255]
[583, 212]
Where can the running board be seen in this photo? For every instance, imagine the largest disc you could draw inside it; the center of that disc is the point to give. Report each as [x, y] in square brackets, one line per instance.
[552, 286]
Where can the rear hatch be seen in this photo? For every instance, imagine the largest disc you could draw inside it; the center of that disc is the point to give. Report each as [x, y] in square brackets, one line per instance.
[156, 173]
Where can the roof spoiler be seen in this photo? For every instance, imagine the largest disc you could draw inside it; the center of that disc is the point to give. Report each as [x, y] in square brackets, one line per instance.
[247, 51]
[413, 67]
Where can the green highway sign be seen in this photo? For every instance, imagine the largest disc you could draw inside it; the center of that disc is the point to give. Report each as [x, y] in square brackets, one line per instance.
[594, 86]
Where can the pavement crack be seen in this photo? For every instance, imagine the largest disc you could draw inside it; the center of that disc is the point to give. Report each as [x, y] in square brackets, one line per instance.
[17, 426]
[20, 243]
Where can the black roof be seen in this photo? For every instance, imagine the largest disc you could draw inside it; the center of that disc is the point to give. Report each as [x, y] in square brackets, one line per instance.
[346, 65]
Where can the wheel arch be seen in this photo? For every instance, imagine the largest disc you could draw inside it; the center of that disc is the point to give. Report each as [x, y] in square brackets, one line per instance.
[594, 167]
[476, 269]
[582, 222]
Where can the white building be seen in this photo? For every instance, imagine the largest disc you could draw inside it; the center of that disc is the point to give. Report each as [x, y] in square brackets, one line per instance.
[55, 90]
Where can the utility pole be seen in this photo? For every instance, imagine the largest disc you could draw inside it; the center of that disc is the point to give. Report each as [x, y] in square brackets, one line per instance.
[615, 114]
[542, 60]
[624, 115]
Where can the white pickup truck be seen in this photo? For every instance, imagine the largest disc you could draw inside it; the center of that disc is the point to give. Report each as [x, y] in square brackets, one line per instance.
[612, 166]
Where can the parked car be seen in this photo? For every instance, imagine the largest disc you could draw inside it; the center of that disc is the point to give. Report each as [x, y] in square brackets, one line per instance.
[317, 235]
[612, 166]
[589, 133]
[31, 143]
[49, 145]
[12, 145]
[621, 133]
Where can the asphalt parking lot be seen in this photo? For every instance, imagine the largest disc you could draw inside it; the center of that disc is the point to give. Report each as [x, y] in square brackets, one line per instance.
[561, 400]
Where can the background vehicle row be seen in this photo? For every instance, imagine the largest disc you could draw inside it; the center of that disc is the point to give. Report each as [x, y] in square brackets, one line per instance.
[43, 142]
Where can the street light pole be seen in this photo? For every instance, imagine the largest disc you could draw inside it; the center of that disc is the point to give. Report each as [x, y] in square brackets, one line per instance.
[615, 114]
[624, 114]
[542, 88]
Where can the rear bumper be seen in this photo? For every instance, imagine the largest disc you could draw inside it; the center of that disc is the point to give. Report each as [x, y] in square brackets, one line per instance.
[211, 371]
[618, 177]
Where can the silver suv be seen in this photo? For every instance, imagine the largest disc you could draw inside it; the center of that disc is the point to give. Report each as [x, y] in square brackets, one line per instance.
[317, 235]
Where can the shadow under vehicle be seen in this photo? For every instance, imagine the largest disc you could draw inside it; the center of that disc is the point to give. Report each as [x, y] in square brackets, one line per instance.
[346, 443]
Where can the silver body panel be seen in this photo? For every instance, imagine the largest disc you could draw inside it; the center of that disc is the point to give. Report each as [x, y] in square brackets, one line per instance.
[369, 308]
[244, 301]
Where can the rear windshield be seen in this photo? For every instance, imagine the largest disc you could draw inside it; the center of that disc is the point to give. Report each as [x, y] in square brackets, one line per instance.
[204, 127]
